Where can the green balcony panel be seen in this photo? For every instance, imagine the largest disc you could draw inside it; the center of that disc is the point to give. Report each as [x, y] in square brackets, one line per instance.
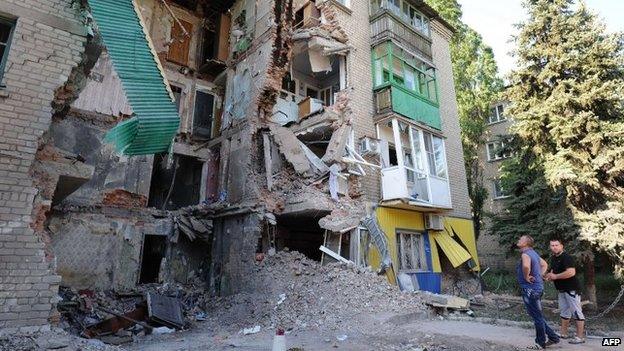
[415, 108]
[155, 121]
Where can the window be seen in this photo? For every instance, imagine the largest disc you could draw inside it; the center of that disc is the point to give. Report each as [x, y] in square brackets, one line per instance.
[498, 190]
[405, 11]
[345, 3]
[411, 251]
[395, 65]
[496, 114]
[434, 147]
[204, 114]
[6, 32]
[327, 96]
[495, 151]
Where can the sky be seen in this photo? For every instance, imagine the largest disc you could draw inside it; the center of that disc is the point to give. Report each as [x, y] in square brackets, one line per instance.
[494, 20]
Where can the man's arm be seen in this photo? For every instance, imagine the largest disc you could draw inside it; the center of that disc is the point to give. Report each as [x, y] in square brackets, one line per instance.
[568, 273]
[526, 268]
[543, 266]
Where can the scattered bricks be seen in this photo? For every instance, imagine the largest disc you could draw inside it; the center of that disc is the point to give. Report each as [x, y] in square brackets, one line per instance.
[124, 199]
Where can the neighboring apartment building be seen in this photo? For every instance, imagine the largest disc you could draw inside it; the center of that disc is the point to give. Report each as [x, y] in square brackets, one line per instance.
[491, 155]
[295, 124]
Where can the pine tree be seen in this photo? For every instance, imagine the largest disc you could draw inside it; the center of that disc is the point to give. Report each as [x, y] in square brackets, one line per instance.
[567, 102]
[476, 86]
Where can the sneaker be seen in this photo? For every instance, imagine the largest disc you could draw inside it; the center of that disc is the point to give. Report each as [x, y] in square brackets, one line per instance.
[577, 340]
[536, 347]
[563, 336]
[550, 343]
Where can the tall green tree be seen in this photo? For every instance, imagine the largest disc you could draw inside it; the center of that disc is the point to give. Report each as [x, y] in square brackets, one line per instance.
[567, 102]
[477, 85]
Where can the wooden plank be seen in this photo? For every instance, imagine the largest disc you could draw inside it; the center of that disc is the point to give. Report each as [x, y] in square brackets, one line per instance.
[224, 37]
[334, 255]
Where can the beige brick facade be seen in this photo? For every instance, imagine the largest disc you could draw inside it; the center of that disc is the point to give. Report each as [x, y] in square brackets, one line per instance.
[47, 43]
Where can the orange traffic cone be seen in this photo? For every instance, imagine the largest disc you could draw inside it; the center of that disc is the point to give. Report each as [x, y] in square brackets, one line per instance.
[279, 341]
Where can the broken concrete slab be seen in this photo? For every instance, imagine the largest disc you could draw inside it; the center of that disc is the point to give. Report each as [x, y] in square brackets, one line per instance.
[290, 147]
[337, 145]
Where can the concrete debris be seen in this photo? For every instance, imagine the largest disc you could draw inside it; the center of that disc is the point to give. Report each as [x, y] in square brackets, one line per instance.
[87, 313]
[317, 296]
[446, 301]
[52, 339]
[337, 145]
[340, 220]
[290, 147]
[194, 228]
[252, 330]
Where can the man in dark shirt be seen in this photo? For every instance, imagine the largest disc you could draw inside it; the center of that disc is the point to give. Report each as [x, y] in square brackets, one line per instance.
[563, 274]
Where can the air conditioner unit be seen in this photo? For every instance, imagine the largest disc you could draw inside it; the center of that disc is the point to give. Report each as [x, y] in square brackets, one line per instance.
[370, 146]
[434, 222]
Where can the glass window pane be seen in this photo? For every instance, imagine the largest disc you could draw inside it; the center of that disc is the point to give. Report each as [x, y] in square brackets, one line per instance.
[500, 110]
[417, 151]
[5, 30]
[440, 162]
[378, 73]
[410, 80]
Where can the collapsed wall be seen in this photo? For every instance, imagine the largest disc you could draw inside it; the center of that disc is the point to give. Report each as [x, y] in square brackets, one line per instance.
[46, 49]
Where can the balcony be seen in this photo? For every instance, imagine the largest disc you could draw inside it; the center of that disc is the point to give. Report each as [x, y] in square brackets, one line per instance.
[394, 98]
[405, 84]
[417, 175]
[385, 25]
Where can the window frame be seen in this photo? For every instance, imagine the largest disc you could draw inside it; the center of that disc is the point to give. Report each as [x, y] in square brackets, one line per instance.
[385, 57]
[416, 264]
[215, 98]
[497, 145]
[497, 190]
[498, 115]
[7, 46]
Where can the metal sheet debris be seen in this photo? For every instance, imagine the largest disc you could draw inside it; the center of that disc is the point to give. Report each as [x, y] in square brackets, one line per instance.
[164, 310]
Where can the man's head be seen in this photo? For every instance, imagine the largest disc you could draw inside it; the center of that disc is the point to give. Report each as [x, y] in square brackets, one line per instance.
[524, 242]
[556, 246]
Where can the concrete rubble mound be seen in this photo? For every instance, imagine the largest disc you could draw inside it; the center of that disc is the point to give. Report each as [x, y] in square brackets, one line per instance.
[293, 292]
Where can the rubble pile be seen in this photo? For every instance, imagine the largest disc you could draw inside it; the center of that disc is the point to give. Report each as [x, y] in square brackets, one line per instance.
[294, 292]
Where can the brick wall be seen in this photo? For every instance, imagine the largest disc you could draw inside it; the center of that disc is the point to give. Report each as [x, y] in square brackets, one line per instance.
[47, 43]
[450, 121]
[360, 83]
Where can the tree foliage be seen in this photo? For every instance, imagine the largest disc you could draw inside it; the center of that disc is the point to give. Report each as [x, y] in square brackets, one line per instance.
[477, 86]
[567, 102]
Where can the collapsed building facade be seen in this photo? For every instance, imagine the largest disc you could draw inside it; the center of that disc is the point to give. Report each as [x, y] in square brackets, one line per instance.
[182, 140]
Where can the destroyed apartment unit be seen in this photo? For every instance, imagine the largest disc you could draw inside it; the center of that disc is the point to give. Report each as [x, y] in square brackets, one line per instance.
[192, 138]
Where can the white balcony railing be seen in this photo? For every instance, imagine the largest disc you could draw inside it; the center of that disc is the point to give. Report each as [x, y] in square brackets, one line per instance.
[423, 189]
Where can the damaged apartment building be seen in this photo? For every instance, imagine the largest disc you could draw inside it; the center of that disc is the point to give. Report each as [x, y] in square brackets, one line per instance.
[149, 141]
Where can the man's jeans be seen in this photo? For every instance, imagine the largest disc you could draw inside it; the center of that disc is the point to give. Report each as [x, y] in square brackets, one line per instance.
[533, 303]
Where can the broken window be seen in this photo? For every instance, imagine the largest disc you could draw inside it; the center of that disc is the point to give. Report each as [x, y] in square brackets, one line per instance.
[203, 115]
[307, 16]
[215, 44]
[154, 247]
[6, 32]
[180, 43]
[175, 184]
[411, 251]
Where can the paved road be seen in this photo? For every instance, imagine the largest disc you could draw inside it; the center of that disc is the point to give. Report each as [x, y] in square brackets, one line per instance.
[513, 336]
